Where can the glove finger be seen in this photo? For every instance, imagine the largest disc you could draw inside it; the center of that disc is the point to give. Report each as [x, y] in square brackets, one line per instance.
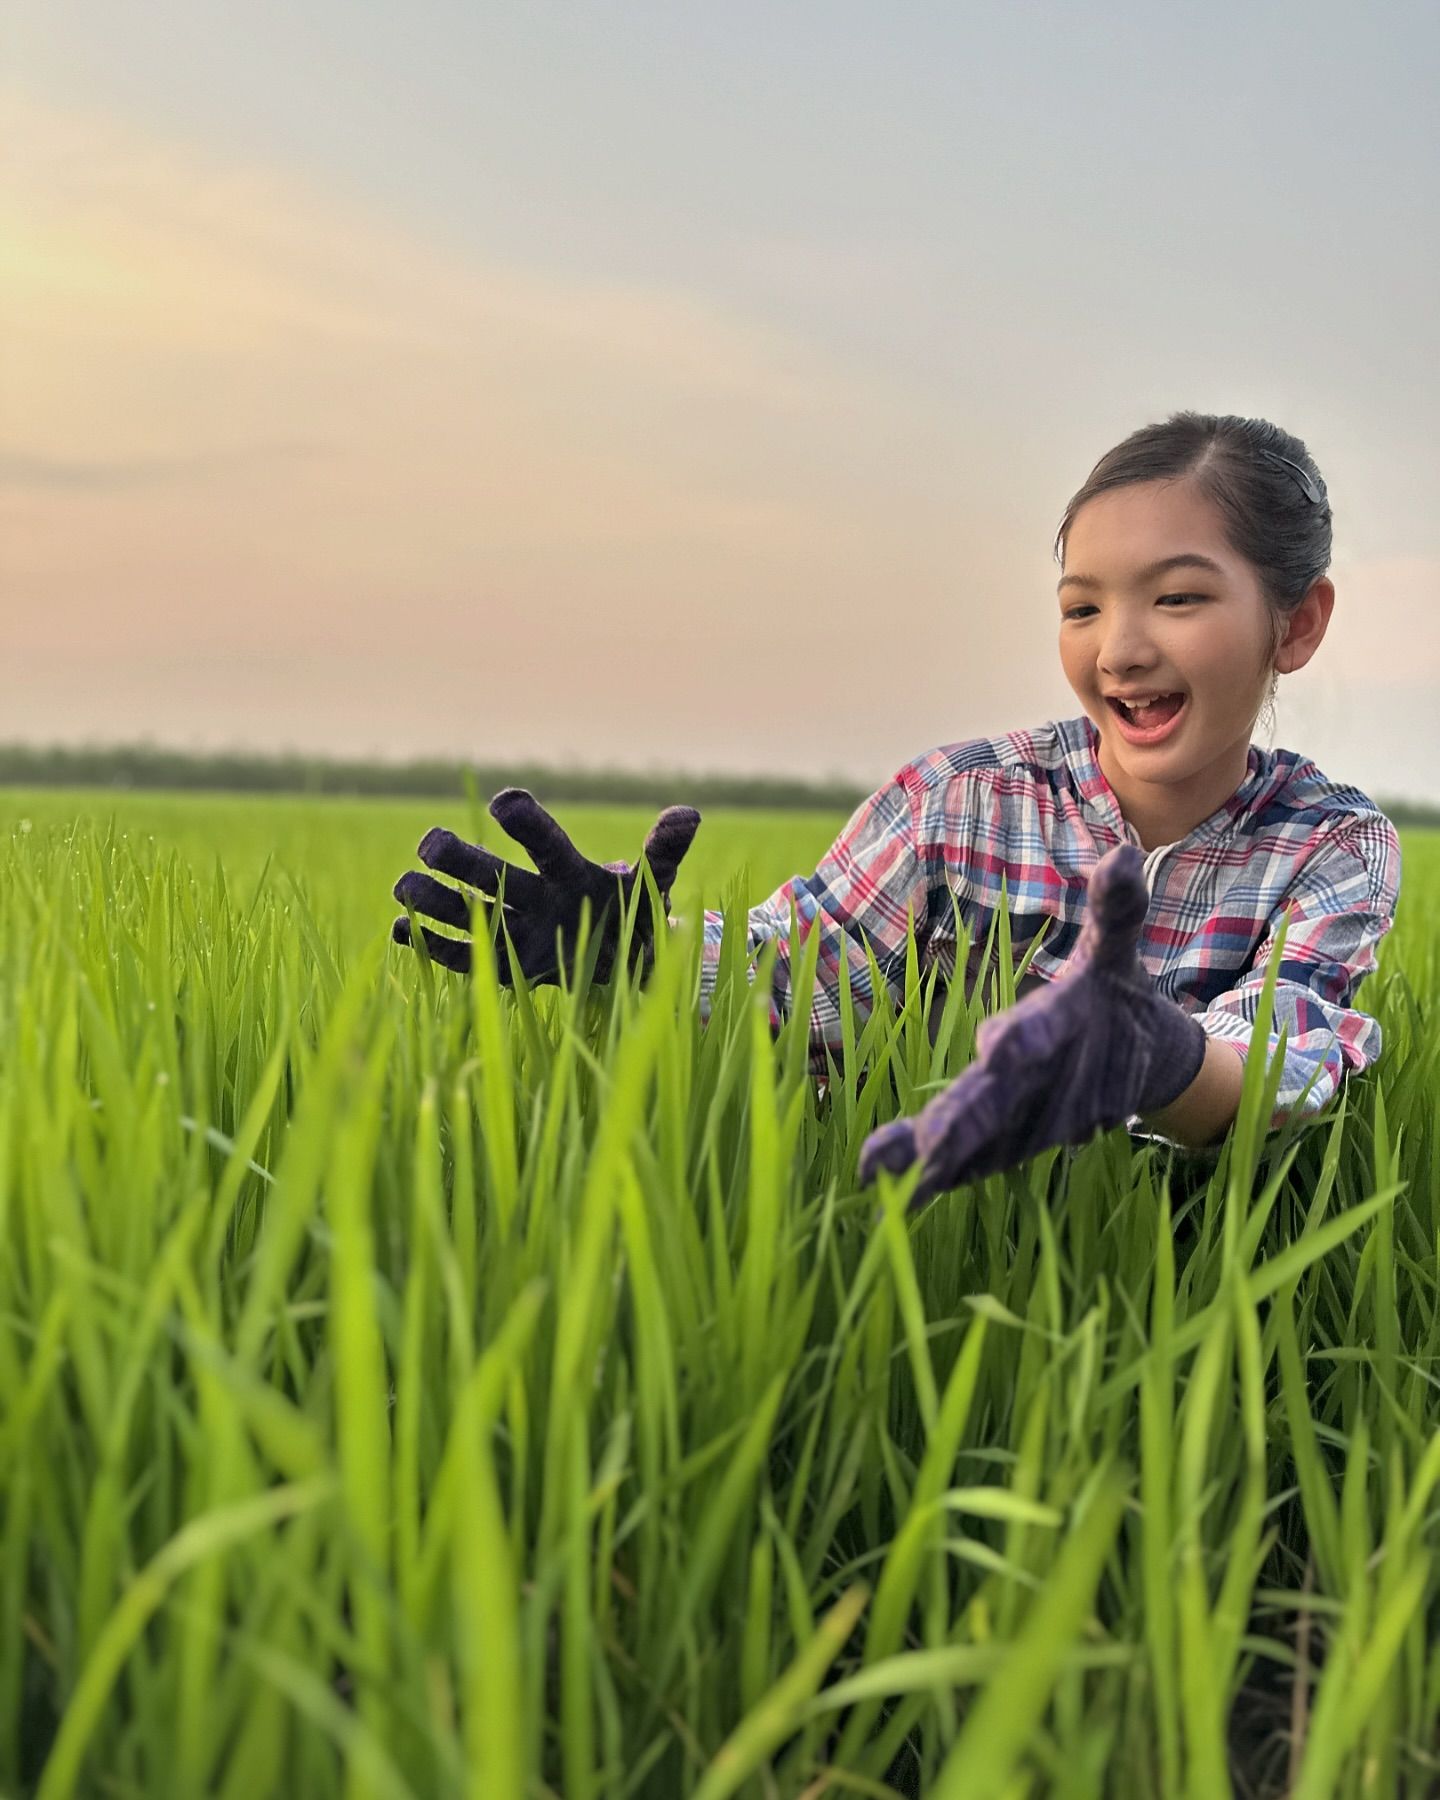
[450, 953]
[892, 1147]
[1116, 903]
[1021, 1043]
[478, 867]
[521, 816]
[435, 899]
[667, 841]
[967, 1121]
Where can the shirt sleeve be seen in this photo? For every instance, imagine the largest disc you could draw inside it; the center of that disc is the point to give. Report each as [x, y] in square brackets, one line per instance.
[1342, 903]
[871, 879]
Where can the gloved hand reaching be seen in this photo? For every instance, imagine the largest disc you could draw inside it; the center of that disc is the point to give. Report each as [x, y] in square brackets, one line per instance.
[1086, 1051]
[539, 907]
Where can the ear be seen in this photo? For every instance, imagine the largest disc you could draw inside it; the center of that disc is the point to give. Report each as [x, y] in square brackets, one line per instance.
[1305, 627]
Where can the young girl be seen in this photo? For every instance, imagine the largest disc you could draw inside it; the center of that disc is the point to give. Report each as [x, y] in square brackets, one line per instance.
[1156, 843]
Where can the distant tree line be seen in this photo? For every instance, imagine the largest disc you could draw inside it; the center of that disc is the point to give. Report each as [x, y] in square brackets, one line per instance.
[243, 772]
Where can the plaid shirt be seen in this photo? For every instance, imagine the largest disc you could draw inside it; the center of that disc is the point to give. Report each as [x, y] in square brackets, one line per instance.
[1034, 807]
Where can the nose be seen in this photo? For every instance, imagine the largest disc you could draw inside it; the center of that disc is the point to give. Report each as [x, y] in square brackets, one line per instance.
[1125, 646]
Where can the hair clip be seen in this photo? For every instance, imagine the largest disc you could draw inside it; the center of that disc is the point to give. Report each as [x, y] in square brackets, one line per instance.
[1307, 483]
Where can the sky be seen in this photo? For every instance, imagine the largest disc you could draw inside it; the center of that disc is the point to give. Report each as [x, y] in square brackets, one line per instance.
[699, 388]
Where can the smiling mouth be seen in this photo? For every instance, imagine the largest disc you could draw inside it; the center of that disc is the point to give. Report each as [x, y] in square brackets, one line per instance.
[1150, 716]
[1152, 726]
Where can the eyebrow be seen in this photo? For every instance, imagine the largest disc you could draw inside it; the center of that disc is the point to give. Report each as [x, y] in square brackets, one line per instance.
[1186, 559]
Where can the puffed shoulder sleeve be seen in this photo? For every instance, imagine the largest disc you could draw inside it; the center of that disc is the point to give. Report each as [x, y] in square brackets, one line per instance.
[1341, 905]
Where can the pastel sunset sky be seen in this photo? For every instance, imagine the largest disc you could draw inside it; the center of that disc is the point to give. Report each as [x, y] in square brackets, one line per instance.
[657, 385]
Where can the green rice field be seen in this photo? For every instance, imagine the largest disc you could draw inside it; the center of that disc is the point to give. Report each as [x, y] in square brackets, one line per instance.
[409, 1389]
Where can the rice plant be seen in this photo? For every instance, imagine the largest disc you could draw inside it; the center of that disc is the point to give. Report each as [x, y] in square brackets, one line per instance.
[413, 1388]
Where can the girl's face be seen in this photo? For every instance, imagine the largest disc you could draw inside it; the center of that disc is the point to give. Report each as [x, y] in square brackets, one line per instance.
[1200, 629]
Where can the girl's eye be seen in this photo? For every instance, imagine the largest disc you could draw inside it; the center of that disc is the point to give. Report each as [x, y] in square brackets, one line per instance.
[1076, 611]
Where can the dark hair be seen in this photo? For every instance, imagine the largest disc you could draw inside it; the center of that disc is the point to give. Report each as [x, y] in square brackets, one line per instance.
[1276, 516]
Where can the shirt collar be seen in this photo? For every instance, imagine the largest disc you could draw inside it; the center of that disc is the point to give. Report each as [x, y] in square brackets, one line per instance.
[1080, 740]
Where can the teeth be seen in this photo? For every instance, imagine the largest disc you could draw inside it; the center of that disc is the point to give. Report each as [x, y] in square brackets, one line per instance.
[1140, 700]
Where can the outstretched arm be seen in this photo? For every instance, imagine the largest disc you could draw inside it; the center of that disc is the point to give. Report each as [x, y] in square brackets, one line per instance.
[1340, 905]
[869, 883]
[1084, 1054]
[1206, 1110]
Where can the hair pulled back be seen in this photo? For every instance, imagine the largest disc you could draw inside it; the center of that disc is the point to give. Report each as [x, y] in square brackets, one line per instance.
[1241, 465]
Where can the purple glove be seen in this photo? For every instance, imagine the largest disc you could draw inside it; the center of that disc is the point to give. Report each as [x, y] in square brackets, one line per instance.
[1086, 1051]
[540, 906]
